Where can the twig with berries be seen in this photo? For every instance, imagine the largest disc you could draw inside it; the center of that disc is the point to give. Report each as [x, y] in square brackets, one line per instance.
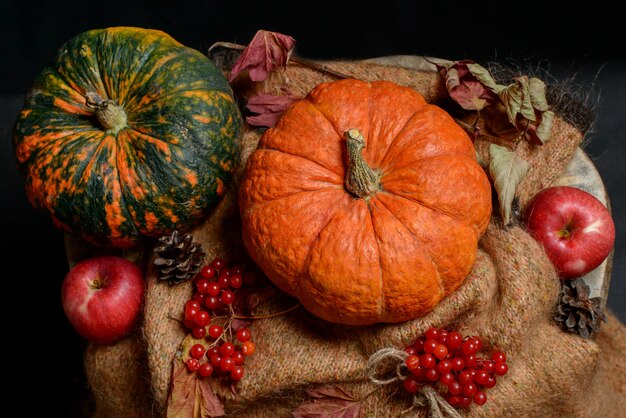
[218, 317]
[442, 365]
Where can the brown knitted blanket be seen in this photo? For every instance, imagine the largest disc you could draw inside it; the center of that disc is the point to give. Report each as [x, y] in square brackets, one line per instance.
[508, 300]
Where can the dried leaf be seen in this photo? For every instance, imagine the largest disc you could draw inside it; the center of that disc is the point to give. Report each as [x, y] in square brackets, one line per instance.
[507, 170]
[482, 75]
[544, 129]
[537, 90]
[512, 96]
[248, 298]
[468, 84]
[268, 108]
[527, 108]
[329, 402]
[266, 51]
[191, 397]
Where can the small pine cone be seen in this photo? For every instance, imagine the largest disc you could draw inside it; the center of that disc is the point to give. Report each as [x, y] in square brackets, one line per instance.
[576, 312]
[178, 259]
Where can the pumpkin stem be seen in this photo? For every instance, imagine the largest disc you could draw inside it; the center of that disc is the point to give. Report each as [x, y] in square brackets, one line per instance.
[111, 116]
[361, 180]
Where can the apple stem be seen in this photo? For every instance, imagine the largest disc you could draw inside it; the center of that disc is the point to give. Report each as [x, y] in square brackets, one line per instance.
[97, 284]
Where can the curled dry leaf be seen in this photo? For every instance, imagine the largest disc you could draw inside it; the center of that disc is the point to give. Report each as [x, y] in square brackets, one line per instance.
[469, 84]
[266, 51]
[268, 108]
[507, 169]
[329, 402]
[191, 397]
[527, 108]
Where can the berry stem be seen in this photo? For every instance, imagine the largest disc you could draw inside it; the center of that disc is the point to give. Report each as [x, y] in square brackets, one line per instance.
[273, 315]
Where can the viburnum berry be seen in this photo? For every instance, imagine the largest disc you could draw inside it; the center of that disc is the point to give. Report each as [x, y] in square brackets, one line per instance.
[455, 388]
[198, 332]
[207, 272]
[410, 350]
[243, 335]
[202, 286]
[193, 364]
[216, 360]
[480, 398]
[197, 351]
[223, 281]
[465, 402]
[215, 331]
[212, 302]
[469, 389]
[227, 297]
[248, 348]
[213, 289]
[199, 297]
[469, 347]
[237, 373]
[227, 363]
[446, 378]
[457, 364]
[428, 361]
[202, 318]
[444, 366]
[454, 340]
[440, 351]
[236, 281]
[429, 345]
[432, 333]
[205, 370]
[411, 384]
[218, 263]
[498, 357]
[500, 369]
[432, 374]
[238, 357]
[412, 362]
[227, 349]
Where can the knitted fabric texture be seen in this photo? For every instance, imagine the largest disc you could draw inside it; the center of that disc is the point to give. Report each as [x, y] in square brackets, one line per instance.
[508, 299]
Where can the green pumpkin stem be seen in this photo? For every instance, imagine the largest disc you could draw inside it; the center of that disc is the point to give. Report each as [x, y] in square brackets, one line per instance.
[361, 180]
[111, 116]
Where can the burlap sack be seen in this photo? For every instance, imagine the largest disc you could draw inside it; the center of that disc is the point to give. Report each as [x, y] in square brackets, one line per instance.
[508, 300]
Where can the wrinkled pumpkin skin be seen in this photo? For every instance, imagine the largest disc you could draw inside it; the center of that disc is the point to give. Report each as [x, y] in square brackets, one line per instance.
[392, 256]
[163, 171]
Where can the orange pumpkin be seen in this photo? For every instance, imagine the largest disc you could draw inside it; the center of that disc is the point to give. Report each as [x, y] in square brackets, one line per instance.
[365, 202]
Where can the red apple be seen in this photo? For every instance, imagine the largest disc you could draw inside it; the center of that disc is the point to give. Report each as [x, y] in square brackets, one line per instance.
[574, 227]
[102, 298]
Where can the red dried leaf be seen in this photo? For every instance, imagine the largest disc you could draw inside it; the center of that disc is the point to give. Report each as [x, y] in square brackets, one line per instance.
[330, 402]
[249, 298]
[268, 108]
[469, 84]
[265, 51]
[190, 397]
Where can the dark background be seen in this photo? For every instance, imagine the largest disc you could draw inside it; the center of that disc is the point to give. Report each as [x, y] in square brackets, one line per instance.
[582, 45]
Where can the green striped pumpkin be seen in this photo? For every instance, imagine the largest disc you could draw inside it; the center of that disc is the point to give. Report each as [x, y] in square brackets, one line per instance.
[128, 134]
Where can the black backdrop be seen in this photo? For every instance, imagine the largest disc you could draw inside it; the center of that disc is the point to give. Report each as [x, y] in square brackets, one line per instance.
[581, 44]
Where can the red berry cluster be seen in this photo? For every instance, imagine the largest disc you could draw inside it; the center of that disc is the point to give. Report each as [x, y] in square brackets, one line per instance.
[448, 360]
[215, 292]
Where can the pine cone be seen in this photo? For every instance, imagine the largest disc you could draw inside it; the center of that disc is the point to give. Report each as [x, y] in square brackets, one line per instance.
[576, 312]
[178, 258]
